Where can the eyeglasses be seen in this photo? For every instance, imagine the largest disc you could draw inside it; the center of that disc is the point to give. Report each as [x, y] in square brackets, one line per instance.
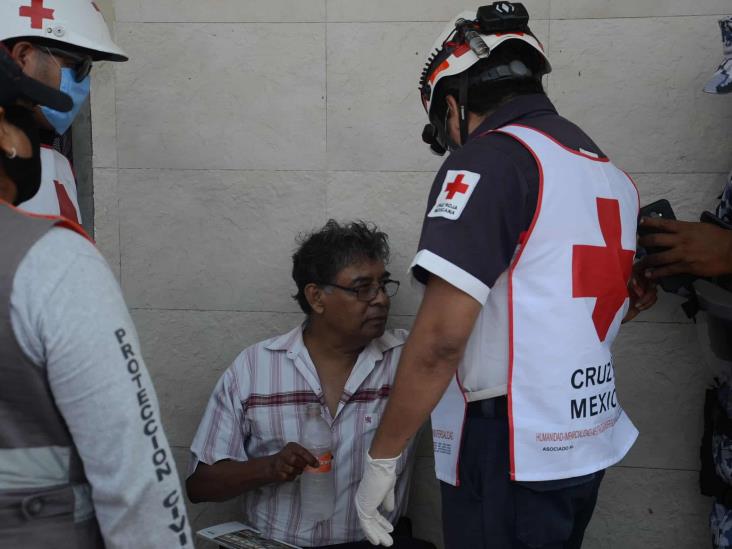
[80, 64]
[370, 291]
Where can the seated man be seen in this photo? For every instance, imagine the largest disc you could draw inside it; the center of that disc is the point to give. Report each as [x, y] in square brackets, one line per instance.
[341, 357]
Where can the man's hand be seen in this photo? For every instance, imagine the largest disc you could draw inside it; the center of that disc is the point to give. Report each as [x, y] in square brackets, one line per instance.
[643, 294]
[376, 488]
[289, 463]
[699, 249]
[228, 479]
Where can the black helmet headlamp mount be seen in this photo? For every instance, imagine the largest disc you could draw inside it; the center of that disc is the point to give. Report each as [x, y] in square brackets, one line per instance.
[497, 18]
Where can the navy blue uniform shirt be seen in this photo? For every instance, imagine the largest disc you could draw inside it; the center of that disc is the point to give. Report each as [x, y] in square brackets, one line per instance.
[501, 207]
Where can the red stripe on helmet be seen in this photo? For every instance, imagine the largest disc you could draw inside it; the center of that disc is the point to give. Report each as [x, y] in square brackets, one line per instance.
[461, 50]
[443, 67]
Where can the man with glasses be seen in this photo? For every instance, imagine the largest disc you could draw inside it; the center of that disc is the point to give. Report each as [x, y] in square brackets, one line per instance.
[56, 42]
[341, 357]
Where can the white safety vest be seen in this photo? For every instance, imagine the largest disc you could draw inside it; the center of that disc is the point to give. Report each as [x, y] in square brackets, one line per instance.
[57, 195]
[562, 300]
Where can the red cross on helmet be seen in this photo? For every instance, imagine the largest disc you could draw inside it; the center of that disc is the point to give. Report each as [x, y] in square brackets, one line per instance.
[471, 37]
[77, 23]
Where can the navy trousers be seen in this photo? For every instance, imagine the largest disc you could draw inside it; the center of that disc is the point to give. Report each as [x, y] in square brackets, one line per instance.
[489, 511]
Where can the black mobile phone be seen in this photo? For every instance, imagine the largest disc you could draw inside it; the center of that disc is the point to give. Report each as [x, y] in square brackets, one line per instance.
[709, 217]
[662, 208]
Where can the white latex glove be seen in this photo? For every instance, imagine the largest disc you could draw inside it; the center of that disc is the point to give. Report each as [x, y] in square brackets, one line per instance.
[377, 488]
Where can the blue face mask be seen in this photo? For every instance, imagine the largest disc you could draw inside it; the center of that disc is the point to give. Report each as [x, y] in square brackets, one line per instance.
[78, 91]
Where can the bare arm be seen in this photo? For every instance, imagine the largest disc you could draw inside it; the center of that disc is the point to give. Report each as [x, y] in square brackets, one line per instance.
[429, 361]
[228, 479]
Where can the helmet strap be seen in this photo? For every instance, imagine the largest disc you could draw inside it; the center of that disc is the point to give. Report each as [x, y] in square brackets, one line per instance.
[463, 107]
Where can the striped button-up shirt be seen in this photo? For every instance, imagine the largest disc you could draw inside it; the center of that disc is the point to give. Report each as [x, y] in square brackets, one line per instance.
[258, 406]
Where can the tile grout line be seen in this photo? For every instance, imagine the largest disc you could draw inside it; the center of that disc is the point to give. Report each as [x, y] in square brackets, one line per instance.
[407, 21]
[325, 110]
[326, 80]
[116, 161]
[354, 170]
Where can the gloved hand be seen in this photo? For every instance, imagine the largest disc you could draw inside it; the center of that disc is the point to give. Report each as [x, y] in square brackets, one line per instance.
[377, 488]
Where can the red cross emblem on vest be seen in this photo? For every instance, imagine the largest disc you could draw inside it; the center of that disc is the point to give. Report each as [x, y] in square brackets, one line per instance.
[456, 187]
[603, 272]
[37, 13]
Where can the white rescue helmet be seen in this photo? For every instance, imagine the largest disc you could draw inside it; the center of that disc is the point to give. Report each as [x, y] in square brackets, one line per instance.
[471, 37]
[77, 23]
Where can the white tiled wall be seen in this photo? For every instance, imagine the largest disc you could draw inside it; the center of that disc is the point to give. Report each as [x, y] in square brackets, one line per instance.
[240, 123]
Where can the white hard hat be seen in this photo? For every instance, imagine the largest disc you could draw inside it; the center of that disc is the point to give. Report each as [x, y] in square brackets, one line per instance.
[77, 23]
[721, 82]
[452, 52]
[469, 38]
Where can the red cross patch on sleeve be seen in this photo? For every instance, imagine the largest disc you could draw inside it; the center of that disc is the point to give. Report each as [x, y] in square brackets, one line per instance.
[455, 193]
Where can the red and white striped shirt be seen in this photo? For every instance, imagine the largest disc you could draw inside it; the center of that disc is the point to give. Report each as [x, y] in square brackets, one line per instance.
[258, 406]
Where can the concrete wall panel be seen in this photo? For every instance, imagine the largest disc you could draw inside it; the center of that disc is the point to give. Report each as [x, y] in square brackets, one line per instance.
[641, 508]
[106, 217]
[375, 116]
[396, 202]
[635, 85]
[214, 240]
[604, 9]
[186, 345]
[414, 10]
[689, 194]
[204, 96]
[660, 383]
[107, 9]
[104, 116]
[220, 11]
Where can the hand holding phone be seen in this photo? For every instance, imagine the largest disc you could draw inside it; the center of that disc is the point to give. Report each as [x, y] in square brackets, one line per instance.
[688, 249]
[661, 209]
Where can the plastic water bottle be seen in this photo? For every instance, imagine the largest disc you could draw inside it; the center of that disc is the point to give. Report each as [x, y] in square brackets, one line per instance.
[317, 485]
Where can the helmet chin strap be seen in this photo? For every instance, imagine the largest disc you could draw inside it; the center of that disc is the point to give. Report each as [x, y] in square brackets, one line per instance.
[463, 108]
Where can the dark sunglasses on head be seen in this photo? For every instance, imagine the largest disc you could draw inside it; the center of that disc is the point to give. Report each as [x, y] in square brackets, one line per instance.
[80, 64]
